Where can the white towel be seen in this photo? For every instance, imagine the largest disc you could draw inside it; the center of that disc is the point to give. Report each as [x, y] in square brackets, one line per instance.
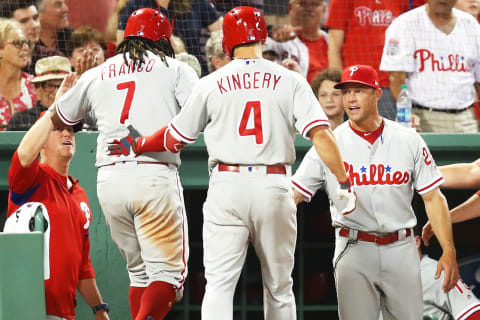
[19, 222]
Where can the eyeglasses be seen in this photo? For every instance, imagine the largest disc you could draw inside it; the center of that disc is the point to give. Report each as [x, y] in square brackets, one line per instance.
[19, 44]
[49, 86]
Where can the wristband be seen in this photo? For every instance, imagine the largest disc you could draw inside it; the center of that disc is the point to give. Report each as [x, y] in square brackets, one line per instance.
[99, 307]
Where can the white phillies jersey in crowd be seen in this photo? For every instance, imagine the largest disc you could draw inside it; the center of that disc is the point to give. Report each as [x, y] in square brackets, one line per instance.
[460, 301]
[249, 110]
[441, 68]
[384, 176]
[293, 49]
[147, 97]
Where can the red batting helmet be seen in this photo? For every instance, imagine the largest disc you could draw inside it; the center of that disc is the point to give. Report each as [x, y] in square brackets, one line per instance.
[242, 25]
[148, 23]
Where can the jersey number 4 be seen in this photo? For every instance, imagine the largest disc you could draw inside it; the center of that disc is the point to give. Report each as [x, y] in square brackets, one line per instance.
[252, 109]
[130, 87]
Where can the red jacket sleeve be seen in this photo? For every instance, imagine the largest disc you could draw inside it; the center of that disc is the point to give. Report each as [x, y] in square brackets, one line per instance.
[86, 270]
[22, 181]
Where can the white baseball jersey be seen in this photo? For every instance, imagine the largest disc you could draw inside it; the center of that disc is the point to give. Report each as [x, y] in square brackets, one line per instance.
[384, 175]
[460, 301]
[253, 106]
[294, 49]
[440, 68]
[147, 97]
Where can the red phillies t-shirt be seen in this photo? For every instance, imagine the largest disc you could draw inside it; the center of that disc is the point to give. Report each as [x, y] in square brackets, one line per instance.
[317, 56]
[70, 217]
[364, 23]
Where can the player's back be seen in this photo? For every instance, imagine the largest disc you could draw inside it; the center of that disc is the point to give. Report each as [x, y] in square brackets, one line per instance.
[250, 110]
[146, 96]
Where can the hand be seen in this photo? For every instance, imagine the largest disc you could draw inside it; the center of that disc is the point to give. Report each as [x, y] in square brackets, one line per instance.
[291, 65]
[101, 315]
[448, 264]
[122, 146]
[68, 82]
[85, 61]
[416, 123]
[118, 147]
[427, 233]
[285, 33]
[163, 3]
[345, 191]
[120, 5]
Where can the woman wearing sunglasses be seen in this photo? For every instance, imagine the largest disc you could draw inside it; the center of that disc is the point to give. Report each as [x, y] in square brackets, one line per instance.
[16, 91]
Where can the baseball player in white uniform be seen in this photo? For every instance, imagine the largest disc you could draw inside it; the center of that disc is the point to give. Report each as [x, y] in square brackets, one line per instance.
[437, 50]
[249, 110]
[141, 87]
[376, 264]
[458, 304]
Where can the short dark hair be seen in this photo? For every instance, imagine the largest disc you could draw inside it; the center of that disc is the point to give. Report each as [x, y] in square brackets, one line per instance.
[82, 36]
[8, 7]
[328, 74]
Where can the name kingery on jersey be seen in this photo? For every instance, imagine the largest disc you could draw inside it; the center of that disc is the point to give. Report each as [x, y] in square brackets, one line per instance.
[247, 80]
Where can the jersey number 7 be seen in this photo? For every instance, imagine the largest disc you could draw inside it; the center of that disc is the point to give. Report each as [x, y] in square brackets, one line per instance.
[252, 108]
[130, 86]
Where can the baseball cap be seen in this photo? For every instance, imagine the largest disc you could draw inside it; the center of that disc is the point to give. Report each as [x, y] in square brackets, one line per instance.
[271, 45]
[51, 68]
[77, 127]
[361, 74]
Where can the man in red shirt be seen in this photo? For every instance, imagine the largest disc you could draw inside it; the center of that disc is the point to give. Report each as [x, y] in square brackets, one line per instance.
[356, 35]
[47, 181]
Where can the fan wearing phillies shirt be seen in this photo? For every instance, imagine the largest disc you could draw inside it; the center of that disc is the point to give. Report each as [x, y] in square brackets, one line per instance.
[250, 110]
[375, 252]
[47, 181]
[435, 50]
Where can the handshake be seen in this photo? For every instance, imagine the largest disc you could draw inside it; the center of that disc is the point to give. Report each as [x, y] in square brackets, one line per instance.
[160, 141]
[345, 192]
[123, 146]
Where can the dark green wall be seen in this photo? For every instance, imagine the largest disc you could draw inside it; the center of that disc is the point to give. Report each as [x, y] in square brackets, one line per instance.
[110, 267]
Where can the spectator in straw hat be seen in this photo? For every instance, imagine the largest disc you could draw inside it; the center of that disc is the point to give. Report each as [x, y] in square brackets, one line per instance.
[50, 72]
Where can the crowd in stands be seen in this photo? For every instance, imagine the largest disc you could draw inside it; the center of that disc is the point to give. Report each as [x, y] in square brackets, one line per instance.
[433, 48]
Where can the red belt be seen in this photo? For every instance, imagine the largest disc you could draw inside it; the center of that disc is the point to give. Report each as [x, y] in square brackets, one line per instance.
[272, 169]
[381, 240]
[140, 162]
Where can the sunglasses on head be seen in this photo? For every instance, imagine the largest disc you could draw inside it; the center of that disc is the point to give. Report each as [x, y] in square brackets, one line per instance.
[18, 43]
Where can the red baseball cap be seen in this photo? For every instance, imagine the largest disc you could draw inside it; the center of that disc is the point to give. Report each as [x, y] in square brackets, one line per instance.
[361, 74]
[77, 127]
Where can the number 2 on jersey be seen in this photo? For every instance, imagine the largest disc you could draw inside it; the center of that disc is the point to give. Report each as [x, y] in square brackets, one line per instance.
[252, 108]
[130, 86]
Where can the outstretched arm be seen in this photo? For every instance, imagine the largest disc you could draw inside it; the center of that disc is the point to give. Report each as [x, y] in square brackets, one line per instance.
[34, 140]
[468, 210]
[326, 146]
[437, 211]
[461, 175]
[37, 135]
